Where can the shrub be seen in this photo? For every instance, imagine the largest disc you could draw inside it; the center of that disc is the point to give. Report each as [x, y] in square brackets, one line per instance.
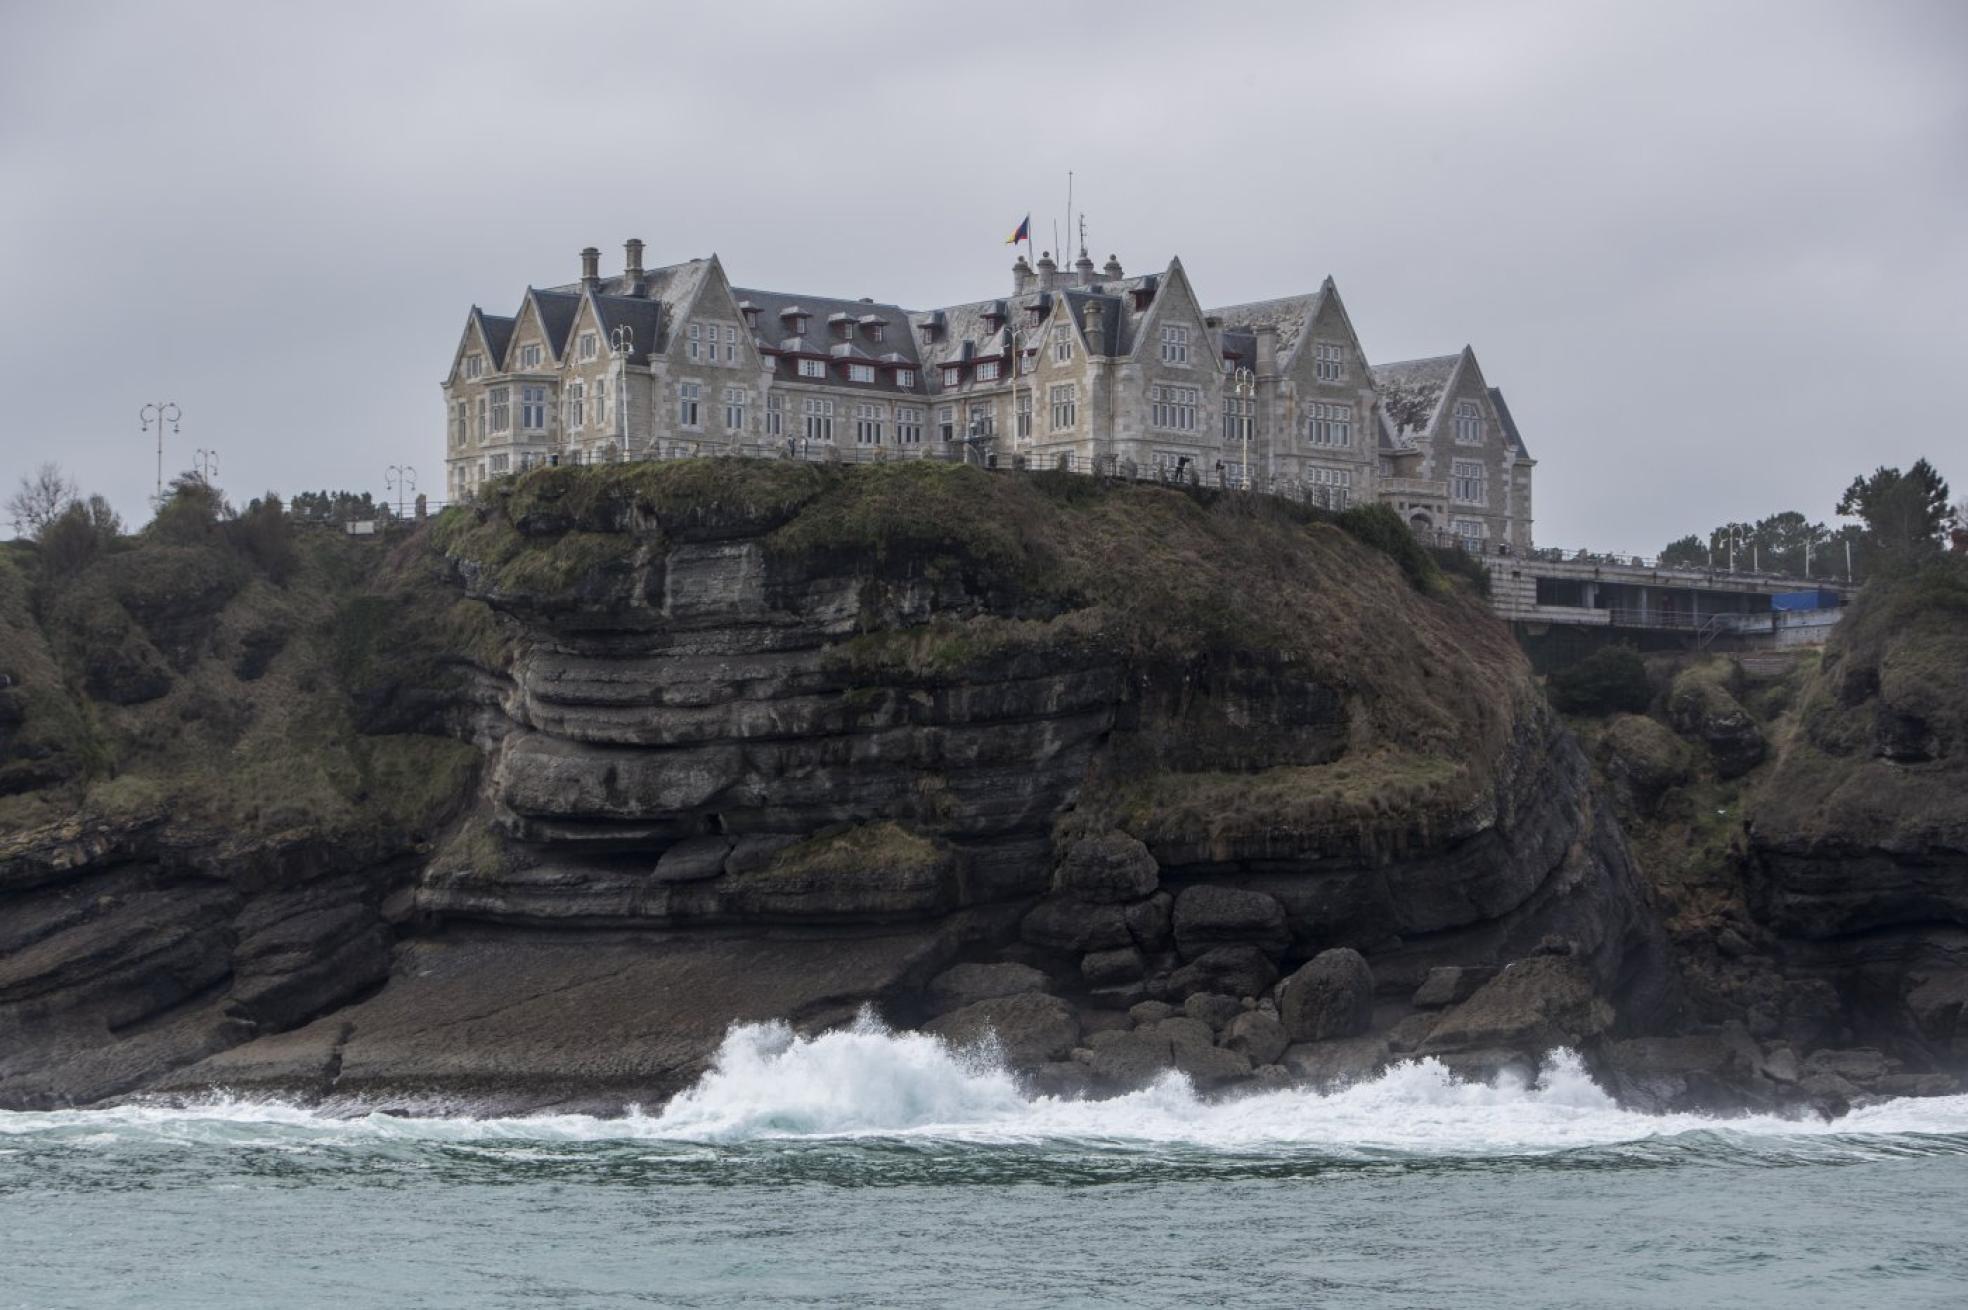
[1610, 679]
[1380, 527]
[264, 535]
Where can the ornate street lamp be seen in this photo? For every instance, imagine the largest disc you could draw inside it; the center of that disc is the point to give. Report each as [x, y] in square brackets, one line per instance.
[160, 413]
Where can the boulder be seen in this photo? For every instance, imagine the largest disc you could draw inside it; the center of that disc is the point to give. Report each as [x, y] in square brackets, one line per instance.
[1123, 964]
[1534, 1005]
[1642, 759]
[1917, 1084]
[1409, 1034]
[1127, 1060]
[1337, 1062]
[1149, 1012]
[1213, 1008]
[1858, 1065]
[1699, 706]
[1210, 1066]
[693, 860]
[1030, 1028]
[1148, 922]
[1233, 970]
[1074, 927]
[1208, 917]
[1450, 985]
[964, 984]
[1112, 868]
[1332, 996]
[1256, 1036]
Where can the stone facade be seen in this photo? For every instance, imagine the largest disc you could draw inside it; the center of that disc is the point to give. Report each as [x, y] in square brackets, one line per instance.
[1085, 368]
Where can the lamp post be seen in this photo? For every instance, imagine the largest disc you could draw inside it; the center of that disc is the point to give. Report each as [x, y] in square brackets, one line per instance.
[160, 413]
[208, 463]
[1243, 383]
[621, 344]
[402, 479]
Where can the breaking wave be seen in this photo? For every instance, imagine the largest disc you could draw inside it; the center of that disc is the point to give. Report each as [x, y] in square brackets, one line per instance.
[865, 1086]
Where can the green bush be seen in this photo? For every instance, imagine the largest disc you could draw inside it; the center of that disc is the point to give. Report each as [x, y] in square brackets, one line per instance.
[1611, 679]
[1380, 527]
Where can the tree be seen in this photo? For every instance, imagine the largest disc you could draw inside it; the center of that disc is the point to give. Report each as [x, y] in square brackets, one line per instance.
[1689, 552]
[1610, 678]
[1905, 514]
[189, 511]
[336, 506]
[263, 534]
[86, 529]
[41, 500]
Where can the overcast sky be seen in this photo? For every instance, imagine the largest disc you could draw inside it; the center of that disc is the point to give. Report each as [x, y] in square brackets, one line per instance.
[1716, 254]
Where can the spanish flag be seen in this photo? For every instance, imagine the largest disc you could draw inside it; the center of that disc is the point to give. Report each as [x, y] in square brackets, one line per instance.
[1024, 232]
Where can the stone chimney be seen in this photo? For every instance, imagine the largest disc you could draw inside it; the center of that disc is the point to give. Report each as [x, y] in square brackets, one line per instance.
[1113, 270]
[1021, 277]
[1047, 270]
[1083, 269]
[632, 265]
[590, 267]
[1096, 327]
[1267, 349]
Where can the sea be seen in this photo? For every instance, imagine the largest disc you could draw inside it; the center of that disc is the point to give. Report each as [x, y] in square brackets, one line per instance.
[863, 1167]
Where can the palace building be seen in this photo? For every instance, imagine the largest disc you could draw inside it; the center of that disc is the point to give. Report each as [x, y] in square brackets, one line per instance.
[1082, 368]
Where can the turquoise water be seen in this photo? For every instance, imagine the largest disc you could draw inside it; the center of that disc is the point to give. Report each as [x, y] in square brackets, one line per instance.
[863, 1168]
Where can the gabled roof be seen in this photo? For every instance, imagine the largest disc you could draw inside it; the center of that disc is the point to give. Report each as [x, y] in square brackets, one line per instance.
[497, 331]
[1509, 423]
[670, 287]
[1436, 371]
[1290, 314]
[643, 319]
[557, 310]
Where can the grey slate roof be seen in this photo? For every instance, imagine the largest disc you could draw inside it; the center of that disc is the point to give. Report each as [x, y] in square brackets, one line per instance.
[1509, 423]
[1411, 374]
[773, 331]
[1290, 313]
[557, 311]
[498, 332]
[643, 318]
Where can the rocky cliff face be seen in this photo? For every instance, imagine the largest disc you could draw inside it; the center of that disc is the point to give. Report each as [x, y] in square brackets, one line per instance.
[526, 813]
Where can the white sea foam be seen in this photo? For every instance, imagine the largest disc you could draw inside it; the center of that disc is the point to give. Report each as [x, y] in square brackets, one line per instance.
[767, 1084]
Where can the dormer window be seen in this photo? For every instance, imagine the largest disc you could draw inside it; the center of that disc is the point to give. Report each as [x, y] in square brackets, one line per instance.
[987, 371]
[860, 372]
[953, 375]
[799, 325]
[590, 345]
[474, 366]
[1175, 344]
[813, 368]
[905, 377]
[529, 356]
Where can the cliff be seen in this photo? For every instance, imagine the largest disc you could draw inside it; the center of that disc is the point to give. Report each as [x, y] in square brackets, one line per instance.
[525, 809]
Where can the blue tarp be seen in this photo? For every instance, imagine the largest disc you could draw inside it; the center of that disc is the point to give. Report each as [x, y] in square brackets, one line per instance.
[1815, 599]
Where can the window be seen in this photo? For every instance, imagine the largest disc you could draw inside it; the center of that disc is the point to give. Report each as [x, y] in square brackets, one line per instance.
[533, 408]
[1062, 346]
[500, 463]
[988, 371]
[860, 372]
[867, 425]
[688, 395]
[1472, 531]
[982, 423]
[1168, 463]
[908, 425]
[734, 409]
[474, 365]
[1024, 408]
[1238, 415]
[1175, 344]
[695, 336]
[1065, 406]
[529, 357]
[1328, 361]
[1337, 482]
[1174, 407]
[953, 376]
[905, 377]
[819, 419]
[1329, 425]
[590, 345]
[1028, 361]
[946, 422]
[479, 424]
[502, 409]
[576, 405]
[731, 345]
[600, 405]
[775, 415]
[1469, 423]
[1466, 482]
[813, 368]
[457, 423]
